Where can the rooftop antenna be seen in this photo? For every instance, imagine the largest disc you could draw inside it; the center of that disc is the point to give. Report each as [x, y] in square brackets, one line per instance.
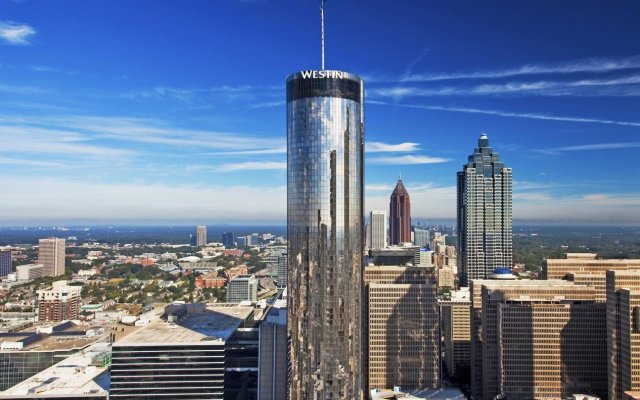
[322, 21]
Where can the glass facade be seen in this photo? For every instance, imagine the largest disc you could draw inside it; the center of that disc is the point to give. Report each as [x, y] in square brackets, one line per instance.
[325, 137]
[484, 215]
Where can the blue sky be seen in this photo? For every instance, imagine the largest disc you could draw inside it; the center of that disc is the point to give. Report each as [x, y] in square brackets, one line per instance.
[154, 110]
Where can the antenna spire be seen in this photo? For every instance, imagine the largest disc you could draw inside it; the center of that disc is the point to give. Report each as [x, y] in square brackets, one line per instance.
[322, 22]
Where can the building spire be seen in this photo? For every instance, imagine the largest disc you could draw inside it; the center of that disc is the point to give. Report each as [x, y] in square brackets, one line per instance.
[322, 28]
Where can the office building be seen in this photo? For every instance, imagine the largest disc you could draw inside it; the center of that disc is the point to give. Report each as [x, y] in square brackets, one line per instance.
[455, 317]
[241, 241]
[182, 355]
[325, 140]
[623, 332]
[28, 272]
[242, 288]
[51, 254]
[484, 214]
[228, 240]
[586, 269]
[5, 264]
[29, 349]
[272, 373]
[399, 215]
[201, 236]
[83, 375]
[378, 230]
[402, 327]
[60, 303]
[396, 255]
[421, 237]
[536, 339]
[446, 278]
[282, 271]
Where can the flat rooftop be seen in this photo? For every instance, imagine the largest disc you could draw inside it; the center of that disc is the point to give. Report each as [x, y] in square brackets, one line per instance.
[82, 375]
[67, 339]
[218, 322]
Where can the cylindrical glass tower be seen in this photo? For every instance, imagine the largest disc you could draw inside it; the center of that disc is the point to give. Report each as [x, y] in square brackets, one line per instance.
[325, 139]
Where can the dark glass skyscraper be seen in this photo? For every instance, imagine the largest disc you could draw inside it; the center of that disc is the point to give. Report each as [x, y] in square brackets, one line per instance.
[325, 136]
[399, 215]
[484, 214]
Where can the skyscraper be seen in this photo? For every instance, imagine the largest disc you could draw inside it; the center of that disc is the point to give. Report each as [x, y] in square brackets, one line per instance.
[201, 235]
[5, 263]
[484, 214]
[378, 230]
[228, 240]
[400, 215]
[51, 254]
[421, 237]
[325, 137]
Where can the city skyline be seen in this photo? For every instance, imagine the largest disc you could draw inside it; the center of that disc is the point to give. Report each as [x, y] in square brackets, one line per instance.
[105, 110]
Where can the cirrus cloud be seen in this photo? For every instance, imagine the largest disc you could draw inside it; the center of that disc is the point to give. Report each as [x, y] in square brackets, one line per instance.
[15, 34]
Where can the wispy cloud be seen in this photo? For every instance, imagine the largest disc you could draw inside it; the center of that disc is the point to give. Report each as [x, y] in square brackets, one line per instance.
[273, 150]
[380, 147]
[407, 160]
[30, 163]
[591, 147]
[536, 116]
[252, 166]
[43, 68]
[591, 65]
[620, 86]
[268, 104]
[27, 90]
[378, 187]
[16, 34]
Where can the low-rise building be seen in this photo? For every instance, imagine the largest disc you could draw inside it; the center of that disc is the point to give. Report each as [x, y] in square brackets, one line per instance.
[242, 288]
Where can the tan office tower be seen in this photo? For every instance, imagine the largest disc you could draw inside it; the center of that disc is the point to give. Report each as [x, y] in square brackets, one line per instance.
[201, 236]
[446, 278]
[455, 317]
[401, 327]
[51, 254]
[537, 340]
[586, 269]
[623, 331]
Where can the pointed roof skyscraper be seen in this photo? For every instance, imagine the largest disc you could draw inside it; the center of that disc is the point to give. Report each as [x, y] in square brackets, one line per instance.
[399, 215]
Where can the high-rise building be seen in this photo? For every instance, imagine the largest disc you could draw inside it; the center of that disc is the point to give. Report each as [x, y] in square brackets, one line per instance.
[421, 237]
[60, 303]
[325, 140]
[402, 327]
[586, 269]
[241, 241]
[282, 271]
[536, 339]
[455, 317]
[378, 229]
[242, 288]
[5, 263]
[399, 215]
[201, 236]
[51, 254]
[484, 214]
[228, 240]
[623, 332]
[272, 371]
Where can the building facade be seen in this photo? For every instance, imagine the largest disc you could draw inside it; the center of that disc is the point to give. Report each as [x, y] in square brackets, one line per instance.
[422, 237]
[60, 303]
[399, 215]
[325, 140]
[623, 331]
[282, 271]
[228, 240]
[272, 371]
[402, 327]
[536, 339]
[201, 236]
[455, 317]
[242, 288]
[5, 264]
[378, 229]
[51, 254]
[28, 272]
[484, 214]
